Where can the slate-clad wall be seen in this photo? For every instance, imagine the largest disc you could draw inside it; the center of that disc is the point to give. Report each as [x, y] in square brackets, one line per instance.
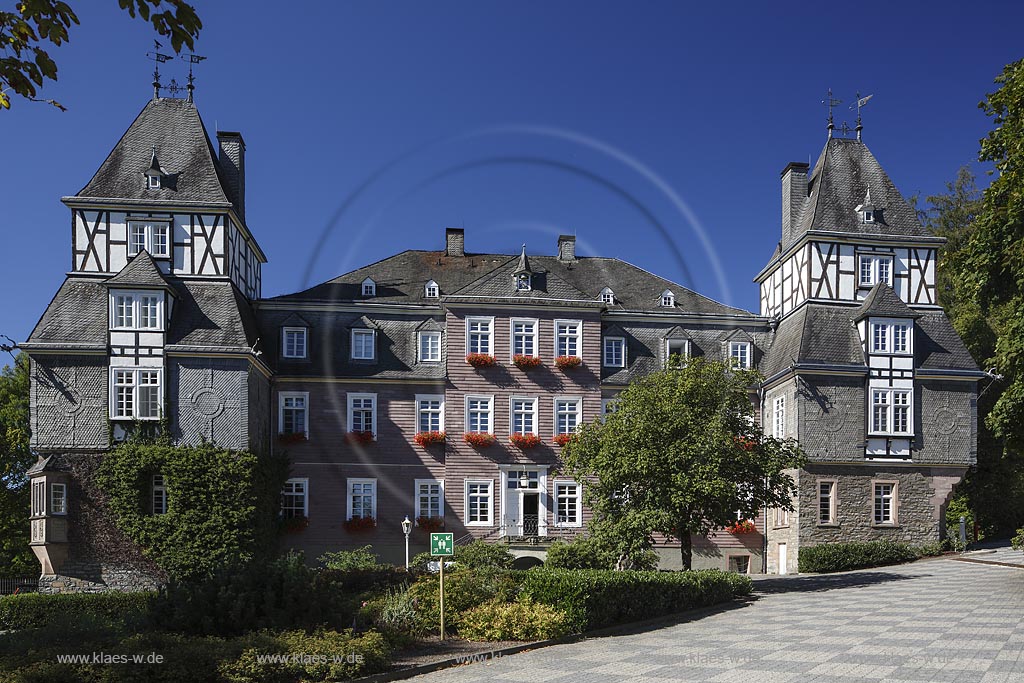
[209, 399]
[69, 402]
[828, 411]
[945, 418]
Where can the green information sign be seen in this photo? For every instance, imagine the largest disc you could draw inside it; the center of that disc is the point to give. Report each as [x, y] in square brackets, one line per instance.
[442, 545]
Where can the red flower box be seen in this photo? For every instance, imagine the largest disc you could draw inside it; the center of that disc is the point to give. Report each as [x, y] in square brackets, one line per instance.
[478, 439]
[526, 362]
[426, 439]
[562, 439]
[357, 524]
[524, 440]
[568, 362]
[293, 437]
[429, 524]
[743, 527]
[293, 525]
[362, 438]
[481, 360]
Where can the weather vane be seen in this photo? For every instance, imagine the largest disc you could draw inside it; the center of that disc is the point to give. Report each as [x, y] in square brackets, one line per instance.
[159, 58]
[861, 101]
[830, 102]
[192, 59]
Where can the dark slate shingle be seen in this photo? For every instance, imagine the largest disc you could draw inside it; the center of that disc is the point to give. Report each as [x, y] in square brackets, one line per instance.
[882, 300]
[141, 271]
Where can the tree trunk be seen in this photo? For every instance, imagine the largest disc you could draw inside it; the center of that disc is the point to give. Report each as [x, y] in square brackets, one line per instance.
[686, 550]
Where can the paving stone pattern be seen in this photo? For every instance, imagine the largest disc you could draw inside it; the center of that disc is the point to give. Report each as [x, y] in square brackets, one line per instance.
[935, 620]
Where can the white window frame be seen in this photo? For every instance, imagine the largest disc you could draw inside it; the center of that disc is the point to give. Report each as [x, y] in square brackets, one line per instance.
[39, 498]
[489, 484]
[420, 337]
[744, 363]
[477, 319]
[578, 336]
[675, 341]
[58, 504]
[779, 417]
[567, 400]
[667, 299]
[351, 399]
[303, 333]
[731, 556]
[886, 330]
[533, 336]
[154, 182]
[608, 405]
[781, 518]
[873, 269]
[420, 399]
[304, 481]
[160, 488]
[833, 503]
[281, 396]
[135, 297]
[889, 396]
[893, 498]
[137, 387]
[151, 228]
[431, 290]
[524, 282]
[512, 412]
[607, 296]
[418, 506]
[349, 493]
[609, 342]
[558, 496]
[490, 411]
[352, 343]
[368, 287]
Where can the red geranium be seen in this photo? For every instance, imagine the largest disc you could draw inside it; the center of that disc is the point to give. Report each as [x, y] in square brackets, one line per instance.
[567, 362]
[524, 440]
[429, 438]
[356, 524]
[562, 439]
[363, 437]
[481, 360]
[745, 442]
[291, 437]
[427, 523]
[524, 362]
[742, 527]
[478, 439]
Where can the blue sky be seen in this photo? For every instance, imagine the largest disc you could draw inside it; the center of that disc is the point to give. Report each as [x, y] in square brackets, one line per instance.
[639, 127]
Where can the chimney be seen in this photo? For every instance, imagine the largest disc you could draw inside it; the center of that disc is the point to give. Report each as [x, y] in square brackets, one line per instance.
[232, 164]
[567, 247]
[794, 192]
[454, 242]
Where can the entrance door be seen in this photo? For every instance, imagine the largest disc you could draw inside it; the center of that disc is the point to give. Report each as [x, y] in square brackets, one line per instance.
[783, 559]
[530, 505]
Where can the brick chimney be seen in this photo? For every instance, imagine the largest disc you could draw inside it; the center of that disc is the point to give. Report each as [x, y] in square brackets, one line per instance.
[794, 192]
[232, 163]
[567, 247]
[454, 242]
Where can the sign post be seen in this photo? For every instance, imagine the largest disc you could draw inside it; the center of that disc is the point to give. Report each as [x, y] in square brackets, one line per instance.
[442, 545]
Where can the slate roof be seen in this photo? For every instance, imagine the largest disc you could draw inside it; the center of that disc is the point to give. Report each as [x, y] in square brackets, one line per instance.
[938, 346]
[499, 285]
[173, 130]
[842, 176]
[814, 333]
[882, 300]
[400, 280]
[141, 271]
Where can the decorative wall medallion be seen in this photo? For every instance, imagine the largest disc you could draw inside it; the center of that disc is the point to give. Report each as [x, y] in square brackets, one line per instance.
[945, 420]
[69, 401]
[832, 420]
[208, 402]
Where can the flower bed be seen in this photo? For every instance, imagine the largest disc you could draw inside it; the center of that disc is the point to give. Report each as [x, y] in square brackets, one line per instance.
[524, 440]
[357, 524]
[481, 360]
[362, 438]
[745, 526]
[562, 439]
[429, 438]
[524, 362]
[568, 362]
[429, 524]
[478, 439]
[292, 437]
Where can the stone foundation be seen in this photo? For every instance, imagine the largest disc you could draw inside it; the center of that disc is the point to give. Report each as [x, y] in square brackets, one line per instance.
[95, 578]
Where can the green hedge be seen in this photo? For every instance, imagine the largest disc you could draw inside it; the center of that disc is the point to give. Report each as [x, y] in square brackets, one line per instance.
[596, 598]
[519, 620]
[34, 610]
[839, 557]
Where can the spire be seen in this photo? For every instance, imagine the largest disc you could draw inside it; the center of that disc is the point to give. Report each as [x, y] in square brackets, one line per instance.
[154, 165]
[830, 102]
[522, 274]
[523, 265]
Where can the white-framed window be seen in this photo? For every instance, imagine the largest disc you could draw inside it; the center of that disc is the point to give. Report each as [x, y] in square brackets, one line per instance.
[890, 336]
[431, 290]
[38, 497]
[149, 236]
[884, 511]
[523, 282]
[523, 413]
[479, 414]
[826, 501]
[479, 495]
[568, 338]
[136, 310]
[567, 415]
[362, 413]
[607, 296]
[362, 498]
[779, 417]
[293, 412]
[739, 354]
[668, 299]
[677, 347]
[293, 342]
[429, 346]
[429, 498]
[368, 287]
[781, 517]
[158, 489]
[891, 411]
[363, 343]
[614, 352]
[524, 337]
[135, 393]
[740, 564]
[479, 335]
[568, 504]
[154, 182]
[609, 405]
[58, 499]
[295, 498]
[430, 412]
[875, 268]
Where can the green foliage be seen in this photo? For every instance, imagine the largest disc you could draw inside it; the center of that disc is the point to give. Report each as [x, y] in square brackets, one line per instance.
[483, 555]
[841, 557]
[597, 598]
[344, 560]
[519, 620]
[34, 23]
[15, 458]
[959, 507]
[34, 610]
[221, 504]
[393, 614]
[319, 656]
[594, 552]
[933, 549]
[463, 589]
[680, 455]
[1018, 540]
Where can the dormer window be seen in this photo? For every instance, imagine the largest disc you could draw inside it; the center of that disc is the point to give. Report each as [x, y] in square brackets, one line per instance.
[607, 296]
[867, 216]
[668, 299]
[154, 182]
[369, 287]
[523, 283]
[430, 290]
[866, 210]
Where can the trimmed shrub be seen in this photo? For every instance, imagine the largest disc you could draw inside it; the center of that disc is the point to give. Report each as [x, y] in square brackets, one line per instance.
[519, 620]
[463, 590]
[586, 552]
[33, 610]
[932, 549]
[483, 555]
[839, 557]
[596, 598]
[343, 560]
[319, 656]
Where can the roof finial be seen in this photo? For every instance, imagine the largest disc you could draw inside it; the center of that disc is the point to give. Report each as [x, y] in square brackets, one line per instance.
[861, 101]
[192, 59]
[159, 59]
[830, 102]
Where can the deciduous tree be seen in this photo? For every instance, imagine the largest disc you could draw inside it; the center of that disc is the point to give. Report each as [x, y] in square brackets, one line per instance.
[15, 458]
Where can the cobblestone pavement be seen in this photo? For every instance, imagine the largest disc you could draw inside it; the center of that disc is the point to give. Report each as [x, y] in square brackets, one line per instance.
[935, 620]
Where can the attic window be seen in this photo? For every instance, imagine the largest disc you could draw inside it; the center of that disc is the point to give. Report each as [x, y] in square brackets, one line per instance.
[154, 182]
[668, 299]
[369, 287]
[867, 216]
[523, 282]
[430, 290]
[607, 296]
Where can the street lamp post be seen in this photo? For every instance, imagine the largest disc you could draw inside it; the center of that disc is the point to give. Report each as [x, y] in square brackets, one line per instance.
[406, 529]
